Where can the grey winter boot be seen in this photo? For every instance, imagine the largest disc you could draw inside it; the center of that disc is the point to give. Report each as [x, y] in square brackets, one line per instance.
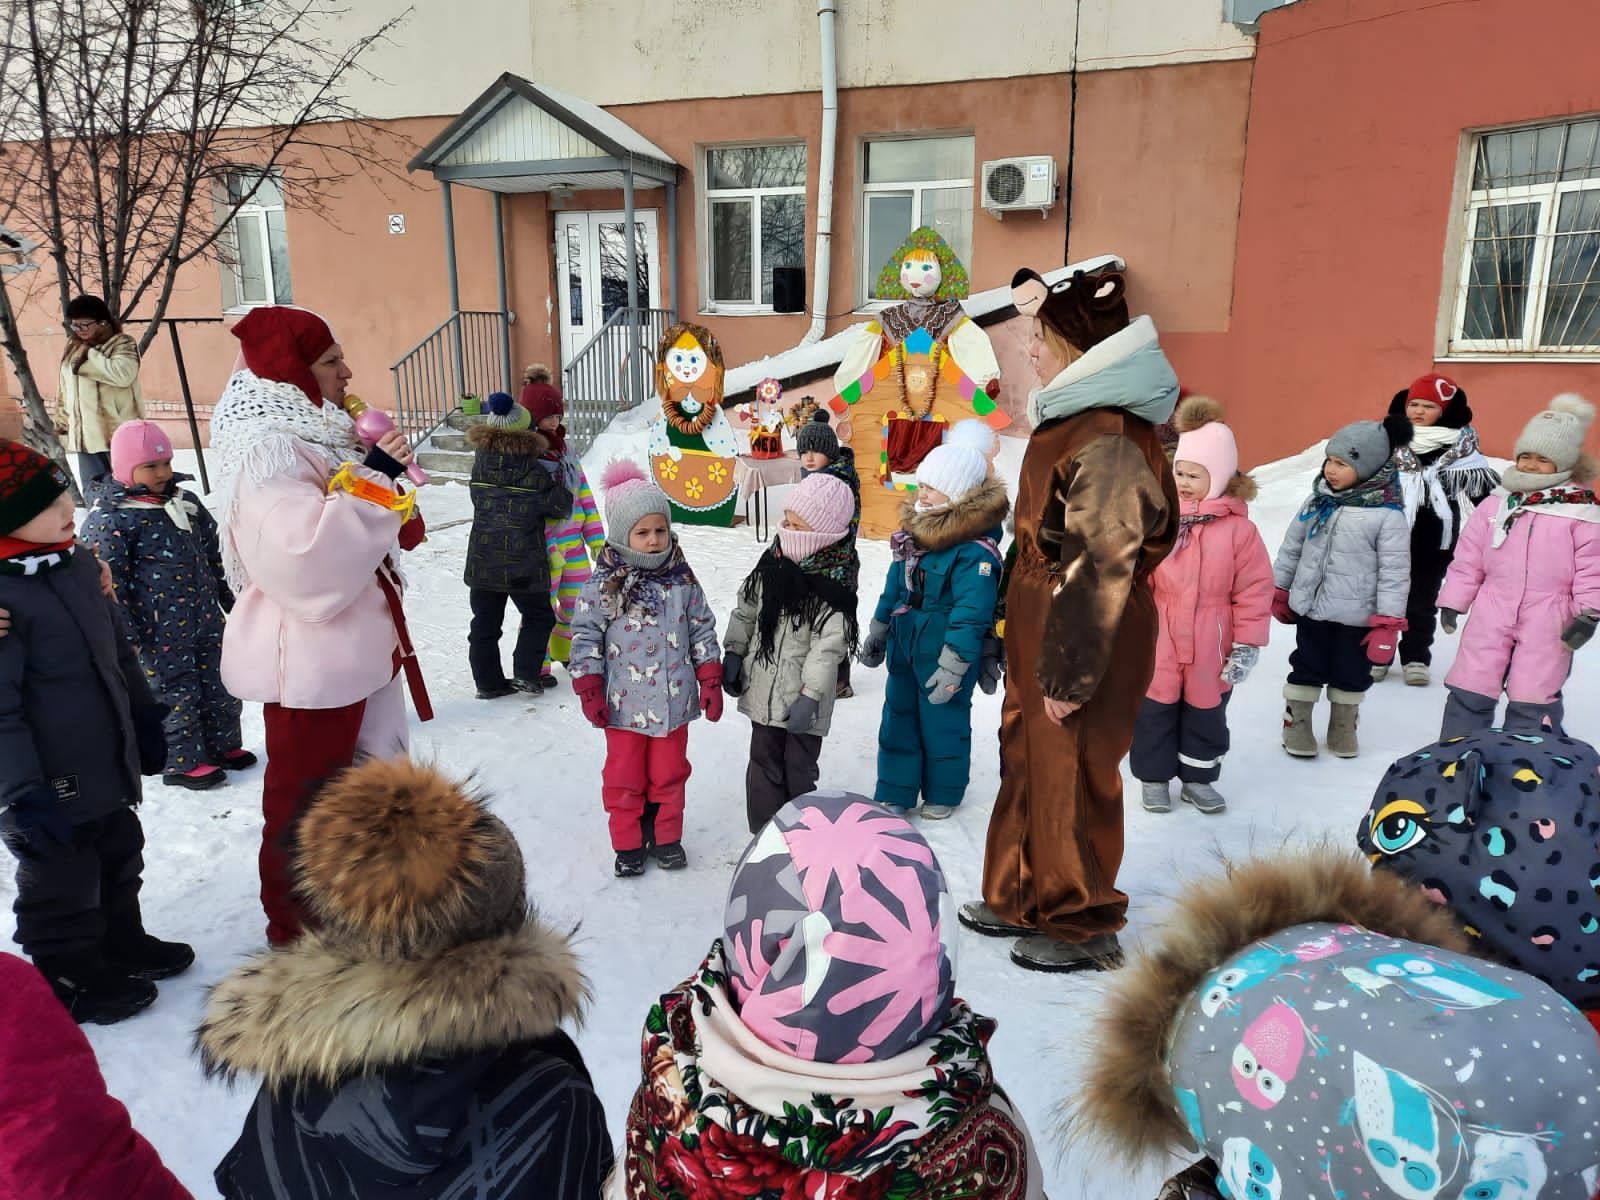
[1157, 796]
[1204, 797]
[1299, 739]
[1342, 723]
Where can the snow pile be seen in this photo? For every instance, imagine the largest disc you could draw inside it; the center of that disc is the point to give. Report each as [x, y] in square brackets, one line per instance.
[541, 763]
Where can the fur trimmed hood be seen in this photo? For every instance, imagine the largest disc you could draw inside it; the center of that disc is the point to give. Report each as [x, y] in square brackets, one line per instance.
[977, 514]
[1127, 1103]
[317, 1013]
[528, 442]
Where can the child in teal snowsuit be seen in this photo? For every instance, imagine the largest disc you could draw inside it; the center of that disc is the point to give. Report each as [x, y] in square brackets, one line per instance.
[937, 605]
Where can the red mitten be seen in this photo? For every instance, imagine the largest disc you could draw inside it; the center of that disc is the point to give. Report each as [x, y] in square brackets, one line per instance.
[1383, 638]
[710, 677]
[1280, 607]
[591, 691]
[413, 533]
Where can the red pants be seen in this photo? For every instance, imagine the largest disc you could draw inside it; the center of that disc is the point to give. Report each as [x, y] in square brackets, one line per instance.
[305, 747]
[642, 770]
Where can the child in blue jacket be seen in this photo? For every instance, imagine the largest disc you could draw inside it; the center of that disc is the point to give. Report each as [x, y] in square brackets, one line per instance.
[937, 605]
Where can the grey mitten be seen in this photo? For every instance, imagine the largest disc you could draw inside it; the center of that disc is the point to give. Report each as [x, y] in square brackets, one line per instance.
[1240, 662]
[875, 646]
[991, 663]
[802, 714]
[733, 674]
[1448, 619]
[1577, 634]
[946, 681]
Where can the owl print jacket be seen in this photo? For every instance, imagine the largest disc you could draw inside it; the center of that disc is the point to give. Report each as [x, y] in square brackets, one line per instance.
[643, 622]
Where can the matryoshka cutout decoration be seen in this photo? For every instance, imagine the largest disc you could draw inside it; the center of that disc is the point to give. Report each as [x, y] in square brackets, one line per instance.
[692, 447]
[920, 367]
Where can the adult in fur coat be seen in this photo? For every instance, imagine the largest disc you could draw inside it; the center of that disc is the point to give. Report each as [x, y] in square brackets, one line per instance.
[1313, 1028]
[412, 1045]
[937, 605]
[1096, 513]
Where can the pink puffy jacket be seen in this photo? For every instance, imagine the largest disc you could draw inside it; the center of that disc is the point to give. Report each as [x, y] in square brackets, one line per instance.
[1214, 593]
[1522, 594]
[312, 629]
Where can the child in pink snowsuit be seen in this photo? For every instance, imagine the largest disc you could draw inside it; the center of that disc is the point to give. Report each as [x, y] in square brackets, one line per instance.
[1528, 567]
[1214, 595]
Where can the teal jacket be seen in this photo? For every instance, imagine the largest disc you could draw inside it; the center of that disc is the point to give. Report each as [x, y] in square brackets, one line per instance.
[945, 580]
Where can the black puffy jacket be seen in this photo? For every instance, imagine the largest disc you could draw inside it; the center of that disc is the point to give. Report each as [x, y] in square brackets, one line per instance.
[512, 497]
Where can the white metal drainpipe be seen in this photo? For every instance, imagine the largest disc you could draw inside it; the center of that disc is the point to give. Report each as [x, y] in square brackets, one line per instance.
[827, 10]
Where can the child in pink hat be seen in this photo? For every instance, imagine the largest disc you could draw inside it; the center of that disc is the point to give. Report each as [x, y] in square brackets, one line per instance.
[794, 622]
[161, 545]
[1214, 597]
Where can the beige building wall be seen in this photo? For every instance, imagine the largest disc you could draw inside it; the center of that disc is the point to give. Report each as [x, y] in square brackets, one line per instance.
[643, 51]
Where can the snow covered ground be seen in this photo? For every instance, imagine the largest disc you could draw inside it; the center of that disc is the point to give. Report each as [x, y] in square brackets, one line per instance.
[541, 762]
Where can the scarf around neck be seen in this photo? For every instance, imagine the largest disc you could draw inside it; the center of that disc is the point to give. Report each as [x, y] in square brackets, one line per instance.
[637, 584]
[800, 593]
[1381, 491]
[720, 1113]
[254, 431]
[18, 557]
[1568, 500]
[1128, 370]
[1452, 483]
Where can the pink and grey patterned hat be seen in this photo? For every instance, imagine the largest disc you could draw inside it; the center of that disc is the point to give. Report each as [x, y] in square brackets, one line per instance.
[839, 932]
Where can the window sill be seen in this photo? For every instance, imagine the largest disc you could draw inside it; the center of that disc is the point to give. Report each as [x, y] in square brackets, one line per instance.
[1520, 356]
[746, 310]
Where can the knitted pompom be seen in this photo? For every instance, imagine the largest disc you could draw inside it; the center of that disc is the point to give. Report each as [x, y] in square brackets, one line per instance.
[1398, 430]
[1576, 405]
[820, 416]
[499, 403]
[1195, 411]
[974, 435]
[620, 471]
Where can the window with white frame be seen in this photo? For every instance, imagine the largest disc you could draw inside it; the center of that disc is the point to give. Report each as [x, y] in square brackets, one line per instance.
[255, 269]
[755, 220]
[1529, 278]
[909, 183]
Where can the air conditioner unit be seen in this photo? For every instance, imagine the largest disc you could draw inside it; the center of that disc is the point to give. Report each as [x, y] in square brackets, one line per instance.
[1019, 185]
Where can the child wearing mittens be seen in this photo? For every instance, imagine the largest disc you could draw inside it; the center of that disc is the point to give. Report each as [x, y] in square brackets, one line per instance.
[1528, 566]
[1214, 596]
[936, 609]
[794, 620]
[645, 663]
[1342, 578]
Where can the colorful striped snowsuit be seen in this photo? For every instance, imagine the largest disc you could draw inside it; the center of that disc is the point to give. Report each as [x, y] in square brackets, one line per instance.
[572, 542]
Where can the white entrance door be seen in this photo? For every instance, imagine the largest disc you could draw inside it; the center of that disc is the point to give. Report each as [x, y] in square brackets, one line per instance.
[592, 271]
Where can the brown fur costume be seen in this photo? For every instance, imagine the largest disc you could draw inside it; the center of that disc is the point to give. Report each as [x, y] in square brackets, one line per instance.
[1127, 1102]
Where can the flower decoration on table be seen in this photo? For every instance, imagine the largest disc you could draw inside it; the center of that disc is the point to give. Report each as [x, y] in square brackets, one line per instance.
[766, 435]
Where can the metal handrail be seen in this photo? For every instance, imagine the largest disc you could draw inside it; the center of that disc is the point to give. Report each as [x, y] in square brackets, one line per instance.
[598, 383]
[461, 356]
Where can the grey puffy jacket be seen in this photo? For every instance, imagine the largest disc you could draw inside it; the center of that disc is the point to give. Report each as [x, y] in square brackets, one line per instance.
[1355, 566]
[802, 660]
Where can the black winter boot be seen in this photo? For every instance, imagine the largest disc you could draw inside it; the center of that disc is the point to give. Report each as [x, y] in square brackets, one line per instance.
[149, 958]
[93, 992]
[670, 856]
[630, 863]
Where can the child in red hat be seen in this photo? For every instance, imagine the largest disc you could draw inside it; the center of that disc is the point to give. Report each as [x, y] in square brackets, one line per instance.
[78, 727]
[1443, 477]
[161, 545]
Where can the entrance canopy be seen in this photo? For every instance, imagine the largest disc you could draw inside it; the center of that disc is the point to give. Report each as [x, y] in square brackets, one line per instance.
[520, 136]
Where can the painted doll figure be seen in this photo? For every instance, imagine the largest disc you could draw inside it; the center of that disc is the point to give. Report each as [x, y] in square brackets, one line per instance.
[922, 365]
[693, 450]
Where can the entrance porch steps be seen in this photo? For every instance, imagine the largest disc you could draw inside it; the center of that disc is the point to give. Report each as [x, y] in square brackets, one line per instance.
[448, 452]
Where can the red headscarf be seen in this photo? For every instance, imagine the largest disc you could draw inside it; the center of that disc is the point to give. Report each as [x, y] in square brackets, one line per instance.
[281, 343]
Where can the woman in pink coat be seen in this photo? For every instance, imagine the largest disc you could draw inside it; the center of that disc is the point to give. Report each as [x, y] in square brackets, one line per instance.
[1214, 596]
[310, 519]
[1528, 568]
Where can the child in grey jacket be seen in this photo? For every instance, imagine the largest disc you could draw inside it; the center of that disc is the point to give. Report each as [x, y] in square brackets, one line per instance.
[793, 624]
[1343, 575]
[645, 663]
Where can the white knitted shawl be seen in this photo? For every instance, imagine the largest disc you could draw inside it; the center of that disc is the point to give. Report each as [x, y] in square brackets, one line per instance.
[254, 429]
